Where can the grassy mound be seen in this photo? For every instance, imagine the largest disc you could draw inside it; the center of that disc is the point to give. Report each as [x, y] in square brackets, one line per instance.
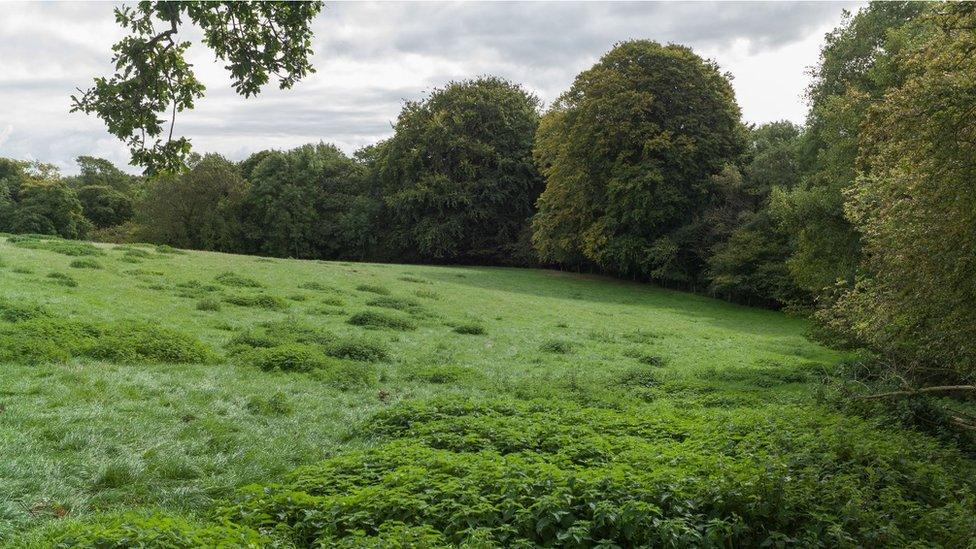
[54, 244]
[378, 319]
[260, 301]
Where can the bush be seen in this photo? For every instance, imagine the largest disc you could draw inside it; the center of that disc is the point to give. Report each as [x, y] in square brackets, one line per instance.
[11, 311]
[470, 328]
[556, 346]
[237, 281]
[261, 301]
[381, 290]
[116, 531]
[85, 264]
[515, 473]
[135, 253]
[377, 319]
[63, 279]
[290, 357]
[208, 304]
[358, 348]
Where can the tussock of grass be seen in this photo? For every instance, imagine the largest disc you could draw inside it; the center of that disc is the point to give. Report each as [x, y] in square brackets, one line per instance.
[169, 250]
[136, 253]
[277, 404]
[409, 278]
[144, 272]
[373, 289]
[18, 311]
[426, 294]
[398, 303]
[260, 301]
[237, 281]
[347, 375]
[289, 357]
[209, 304]
[316, 286]
[470, 328]
[326, 311]
[63, 279]
[56, 245]
[645, 357]
[85, 264]
[22, 270]
[441, 373]
[378, 319]
[556, 346]
[334, 301]
[358, 348]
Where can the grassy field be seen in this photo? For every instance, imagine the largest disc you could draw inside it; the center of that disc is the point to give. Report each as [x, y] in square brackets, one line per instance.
[165, 382]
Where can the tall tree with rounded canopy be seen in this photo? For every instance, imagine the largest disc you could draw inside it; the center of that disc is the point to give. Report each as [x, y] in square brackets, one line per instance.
[628, 154]
[153, 81]
[460, 184]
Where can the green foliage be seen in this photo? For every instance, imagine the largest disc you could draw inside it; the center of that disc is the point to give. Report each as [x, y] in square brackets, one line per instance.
[309, 202]
[628, 154]
[209, 304]
[63, 279]
[556, 346]
[470, 328]
[56, 245]
[399, 303]
[915, 206]
[379, 319]
[33, 199]
[120, 531]
[235, 280]
[16, 311]
[458, 178]
[197, 209]
[507, 473]
[105, 206]
[85, 264]
[276, 333]
[359, 349]
[152, 79]
[261, 301]
[43, 338]
[347, 375]
[373, 289]
[290, 357]
[441, 373]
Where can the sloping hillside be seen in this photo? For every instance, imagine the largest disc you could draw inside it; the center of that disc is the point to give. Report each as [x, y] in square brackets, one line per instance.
[428, 405]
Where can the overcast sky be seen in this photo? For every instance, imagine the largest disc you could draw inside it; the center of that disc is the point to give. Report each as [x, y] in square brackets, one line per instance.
[372, 56]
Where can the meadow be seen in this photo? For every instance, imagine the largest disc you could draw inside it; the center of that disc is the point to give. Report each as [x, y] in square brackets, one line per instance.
[198, 398]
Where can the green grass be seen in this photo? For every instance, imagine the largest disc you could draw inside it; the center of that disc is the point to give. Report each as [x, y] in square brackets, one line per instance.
[481, 375]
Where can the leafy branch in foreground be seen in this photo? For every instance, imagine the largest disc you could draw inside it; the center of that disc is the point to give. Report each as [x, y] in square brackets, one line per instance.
[153, 80]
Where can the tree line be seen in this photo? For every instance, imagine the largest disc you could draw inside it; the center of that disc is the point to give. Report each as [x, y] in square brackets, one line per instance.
[865, 216]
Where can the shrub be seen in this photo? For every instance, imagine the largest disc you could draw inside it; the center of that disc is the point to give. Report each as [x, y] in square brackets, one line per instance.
[290, 357]
[358, 348]
[63, 279]
[274, 333]
[261, 301]
[16, 312]
[377, 319]
[115, 531]
[237, 281]
[208, 304]
[167, 249]
[470, 328]
[556, 346]
[85, 264]
[46, 339]
[135, 342]
[381, 290]
[135, 253]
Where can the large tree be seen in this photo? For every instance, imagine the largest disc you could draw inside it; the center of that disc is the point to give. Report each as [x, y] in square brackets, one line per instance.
[628, 154]
[153, 80]
[196, 209]
[459, 181]
[34, 199]
[915, 206]
[855, 70]
[308, 203]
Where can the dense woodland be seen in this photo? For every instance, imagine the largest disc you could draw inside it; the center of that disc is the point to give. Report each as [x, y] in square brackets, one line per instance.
[865, 217]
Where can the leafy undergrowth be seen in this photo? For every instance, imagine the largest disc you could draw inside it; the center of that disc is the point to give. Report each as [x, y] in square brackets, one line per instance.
[500, 472]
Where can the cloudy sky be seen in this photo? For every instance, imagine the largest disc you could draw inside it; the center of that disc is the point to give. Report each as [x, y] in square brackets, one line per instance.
[372, 56]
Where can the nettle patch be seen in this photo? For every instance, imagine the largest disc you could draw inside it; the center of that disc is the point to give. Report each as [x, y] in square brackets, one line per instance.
[504, 473]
